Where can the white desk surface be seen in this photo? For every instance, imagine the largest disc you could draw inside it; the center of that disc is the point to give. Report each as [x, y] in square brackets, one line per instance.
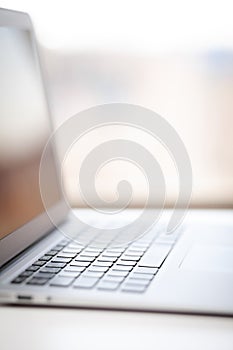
[45, 328]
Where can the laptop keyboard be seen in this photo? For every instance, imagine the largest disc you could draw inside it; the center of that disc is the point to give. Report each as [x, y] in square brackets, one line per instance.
[127, 269]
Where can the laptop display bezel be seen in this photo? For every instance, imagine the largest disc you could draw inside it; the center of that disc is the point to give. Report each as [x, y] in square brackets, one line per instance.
[15, 242]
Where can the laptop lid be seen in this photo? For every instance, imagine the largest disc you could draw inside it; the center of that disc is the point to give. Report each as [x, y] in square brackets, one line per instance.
[24, 130]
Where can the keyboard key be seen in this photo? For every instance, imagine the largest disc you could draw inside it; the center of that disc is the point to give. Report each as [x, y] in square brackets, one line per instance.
[110, 254]
[58, 247]
[39, 263]
[145, 276]
[114, 250]
[73, 274]
[75, 268]
[56, 264]
[140, 245]
[80, 263]
[108, 259]
[88, 254]
[138, 251]
[95, 274]
[126, 262]
[72, 268]
[51, 252]
[33, 268]
[117, 273]
[138, 281]
[19, 280]
[93, 250]
[133, 288]
[44, 275]
[133, 255]
[66, 255]
[37, 281]
[105, 285]
[150, 270]
[61, 281]
[71, 250]
[130, 258]
[85, 258]
[103, 263]
[118, 279]
[26, 274]
[99, 245]
[50, 269]
[46, 257]
[60, 259]
[98, 268]
[155, 255]
[122, 268]
[62, 245]
[74, 246]
[85, 282]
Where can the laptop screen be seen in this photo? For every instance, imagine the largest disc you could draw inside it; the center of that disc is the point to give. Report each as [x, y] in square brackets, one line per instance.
[24, 130]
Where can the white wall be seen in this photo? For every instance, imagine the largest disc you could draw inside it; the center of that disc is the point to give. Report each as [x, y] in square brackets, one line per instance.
[175, 57]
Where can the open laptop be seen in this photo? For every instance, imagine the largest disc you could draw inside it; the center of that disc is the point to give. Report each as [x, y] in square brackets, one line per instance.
[189, 271]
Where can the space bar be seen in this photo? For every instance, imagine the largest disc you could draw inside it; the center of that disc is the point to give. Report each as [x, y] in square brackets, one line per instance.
[155, 255]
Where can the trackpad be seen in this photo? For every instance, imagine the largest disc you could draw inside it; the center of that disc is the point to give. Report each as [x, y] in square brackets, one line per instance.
[209, 258]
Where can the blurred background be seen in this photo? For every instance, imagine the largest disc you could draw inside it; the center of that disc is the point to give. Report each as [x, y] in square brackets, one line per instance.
[174, 57]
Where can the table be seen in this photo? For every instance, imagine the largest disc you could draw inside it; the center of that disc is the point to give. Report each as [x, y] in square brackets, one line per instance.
[56, 328]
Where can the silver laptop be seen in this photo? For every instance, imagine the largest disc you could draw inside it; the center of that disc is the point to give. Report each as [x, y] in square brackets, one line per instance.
[190, 270]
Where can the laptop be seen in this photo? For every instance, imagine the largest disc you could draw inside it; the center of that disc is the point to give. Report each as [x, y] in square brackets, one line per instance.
[188, 271]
